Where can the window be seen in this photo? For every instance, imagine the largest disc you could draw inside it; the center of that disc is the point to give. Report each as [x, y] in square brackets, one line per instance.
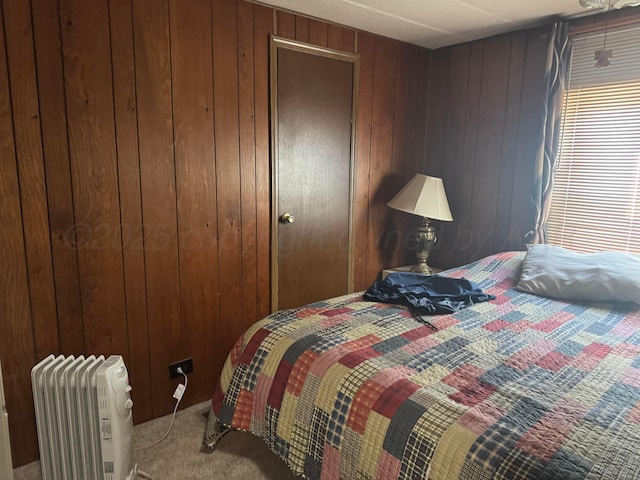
[596, 194]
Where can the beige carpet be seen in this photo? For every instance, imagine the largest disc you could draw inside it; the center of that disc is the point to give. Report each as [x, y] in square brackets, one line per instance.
[238, 456]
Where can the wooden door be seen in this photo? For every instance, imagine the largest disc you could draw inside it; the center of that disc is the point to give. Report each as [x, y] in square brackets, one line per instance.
[312, 99]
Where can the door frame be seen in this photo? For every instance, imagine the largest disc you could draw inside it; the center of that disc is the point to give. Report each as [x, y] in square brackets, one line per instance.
[277, 43]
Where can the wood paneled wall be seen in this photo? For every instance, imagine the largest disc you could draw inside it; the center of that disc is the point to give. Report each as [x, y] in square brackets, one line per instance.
[134, 175]
[484, 125]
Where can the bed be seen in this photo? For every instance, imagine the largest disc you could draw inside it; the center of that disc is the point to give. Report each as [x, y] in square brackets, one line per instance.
[521, 387]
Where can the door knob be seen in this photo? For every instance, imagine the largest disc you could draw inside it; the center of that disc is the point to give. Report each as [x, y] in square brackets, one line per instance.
[287, 218]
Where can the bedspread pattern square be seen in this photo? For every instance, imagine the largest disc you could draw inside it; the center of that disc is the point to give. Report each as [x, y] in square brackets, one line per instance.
[520, 387]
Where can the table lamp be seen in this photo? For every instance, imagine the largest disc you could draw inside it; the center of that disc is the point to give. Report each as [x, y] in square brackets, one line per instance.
[423, 196]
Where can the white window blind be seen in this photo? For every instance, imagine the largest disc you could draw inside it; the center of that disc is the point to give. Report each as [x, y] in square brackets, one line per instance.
[596, 194]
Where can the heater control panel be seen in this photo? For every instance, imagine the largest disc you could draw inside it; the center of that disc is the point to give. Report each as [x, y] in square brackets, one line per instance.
[114, 405]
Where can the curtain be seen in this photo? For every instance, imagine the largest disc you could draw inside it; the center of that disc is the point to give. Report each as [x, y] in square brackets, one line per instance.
[558, 58]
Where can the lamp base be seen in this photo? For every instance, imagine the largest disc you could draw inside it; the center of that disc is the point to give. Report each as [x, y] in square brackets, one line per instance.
[422, 268]
[426, 238]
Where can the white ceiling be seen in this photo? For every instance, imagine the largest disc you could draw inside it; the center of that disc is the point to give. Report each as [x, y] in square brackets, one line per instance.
[435, 23]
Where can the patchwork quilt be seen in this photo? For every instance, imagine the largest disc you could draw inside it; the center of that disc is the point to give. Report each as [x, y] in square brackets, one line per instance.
[521, 387]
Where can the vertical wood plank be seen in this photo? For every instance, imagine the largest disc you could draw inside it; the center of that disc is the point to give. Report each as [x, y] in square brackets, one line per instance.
[16, 342]
[225, 34]
[192, 80]
[401, 149]
[262, 27]
[246, 112]
[286, 23]
[425, 62]
[420, 61]
[399, 165]
[454, 149]
[509, 145]
[362, 279]
[491, 118]
[435, 132]
[28, 146]
[381, 182]
[463, 238]
[348, 40]
[336, 36]
[157, 178]
[318, 33]
[437, 112]
[53, 114]
[126, 118]
[302, 29]
[86, 48]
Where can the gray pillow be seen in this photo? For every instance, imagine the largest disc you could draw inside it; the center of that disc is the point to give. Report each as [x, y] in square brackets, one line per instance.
[560, 273]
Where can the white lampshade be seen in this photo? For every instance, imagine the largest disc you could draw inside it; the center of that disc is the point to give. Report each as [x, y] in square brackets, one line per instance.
[423, 196]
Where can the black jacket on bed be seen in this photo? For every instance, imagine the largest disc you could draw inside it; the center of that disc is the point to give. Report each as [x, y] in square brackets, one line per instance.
[426, 295]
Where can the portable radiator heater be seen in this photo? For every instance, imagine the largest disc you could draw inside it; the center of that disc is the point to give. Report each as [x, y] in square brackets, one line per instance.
[83, 414]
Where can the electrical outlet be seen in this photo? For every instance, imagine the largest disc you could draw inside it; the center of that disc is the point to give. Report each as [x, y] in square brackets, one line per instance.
[187, 367]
